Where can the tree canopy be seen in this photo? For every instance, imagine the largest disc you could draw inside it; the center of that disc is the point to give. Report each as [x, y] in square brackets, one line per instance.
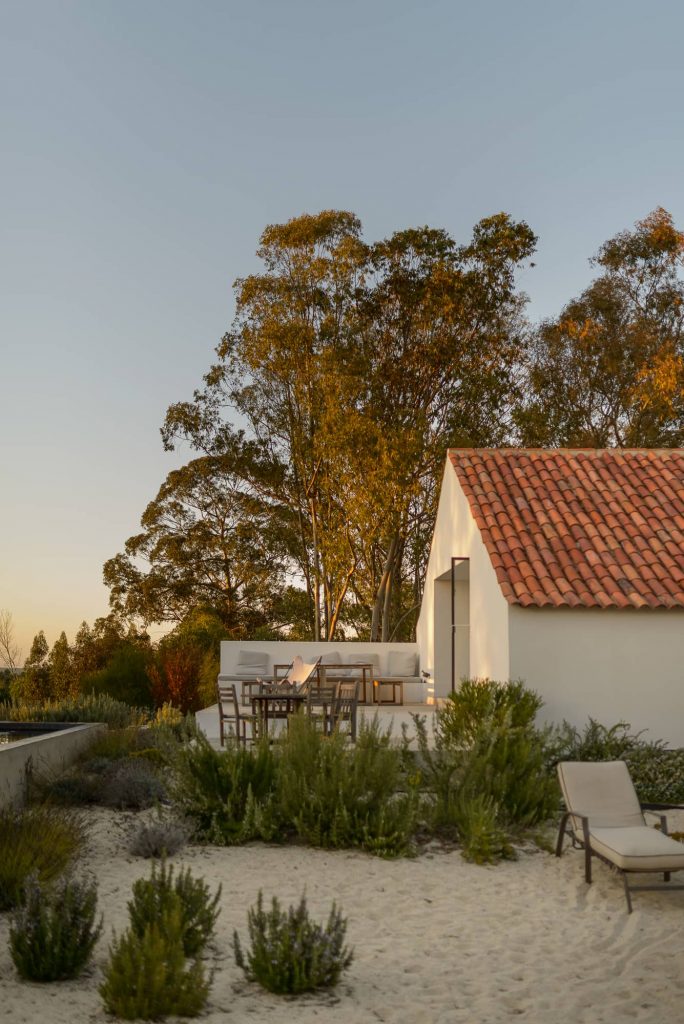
[319, 433]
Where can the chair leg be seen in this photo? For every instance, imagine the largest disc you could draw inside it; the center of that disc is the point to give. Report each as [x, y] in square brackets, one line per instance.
[561, 834]
[628, 895]
[666, 876]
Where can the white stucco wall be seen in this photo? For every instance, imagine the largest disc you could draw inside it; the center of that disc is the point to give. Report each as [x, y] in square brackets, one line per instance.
[456, 535]
[610, 664]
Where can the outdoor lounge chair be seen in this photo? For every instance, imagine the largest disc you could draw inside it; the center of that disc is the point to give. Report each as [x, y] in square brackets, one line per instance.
[605, 819]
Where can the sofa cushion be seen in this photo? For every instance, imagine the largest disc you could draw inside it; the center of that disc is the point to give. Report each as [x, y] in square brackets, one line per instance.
[334, 660]
[402, 663]
[251, 664]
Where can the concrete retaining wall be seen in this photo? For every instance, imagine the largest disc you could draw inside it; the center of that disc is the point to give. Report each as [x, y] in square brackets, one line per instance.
[53, 752]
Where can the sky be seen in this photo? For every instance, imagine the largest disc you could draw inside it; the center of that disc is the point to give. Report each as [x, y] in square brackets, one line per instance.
[147, 143]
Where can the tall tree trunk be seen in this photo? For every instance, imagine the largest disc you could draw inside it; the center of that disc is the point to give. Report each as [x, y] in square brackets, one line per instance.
[382, 588]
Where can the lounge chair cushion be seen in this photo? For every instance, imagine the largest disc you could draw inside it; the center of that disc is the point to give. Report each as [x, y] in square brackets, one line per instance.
[601, 791]
[638, 848]
[402, 664]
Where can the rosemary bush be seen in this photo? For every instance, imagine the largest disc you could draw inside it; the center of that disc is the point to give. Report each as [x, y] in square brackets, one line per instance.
[482, 838]
[289, 953]
[340, 796]
[132, 784]
[227, 796]
[147, 975]
[36, 841]
[53, 933]
[162, 837]
[156, 897]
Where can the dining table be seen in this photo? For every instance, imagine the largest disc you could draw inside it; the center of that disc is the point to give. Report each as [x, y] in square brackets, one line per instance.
[276, 703]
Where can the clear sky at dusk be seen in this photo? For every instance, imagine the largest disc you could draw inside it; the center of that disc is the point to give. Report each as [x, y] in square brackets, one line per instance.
[146, 144]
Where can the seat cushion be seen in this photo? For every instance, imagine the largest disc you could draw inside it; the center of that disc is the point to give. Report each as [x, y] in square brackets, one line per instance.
[638, 848]
[402, 663]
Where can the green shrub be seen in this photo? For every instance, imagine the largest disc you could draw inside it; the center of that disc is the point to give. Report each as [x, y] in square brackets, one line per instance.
[84, 708]
[74, 788]
[160, 838]
[289, 953]
[508, 764]
[147, 976]
[658, 774]
[480, 702]
[227, 796]
[160, 895]
[486, 746]
[36, 841]
[340, 796]
[53, 933]
[482, 838]
[133, 785]
[595, 742]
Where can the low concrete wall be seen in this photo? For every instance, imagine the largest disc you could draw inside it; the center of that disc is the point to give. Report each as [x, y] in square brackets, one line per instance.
[52, 752]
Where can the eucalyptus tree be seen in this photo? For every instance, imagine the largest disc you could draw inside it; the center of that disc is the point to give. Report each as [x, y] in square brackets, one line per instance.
[609, 371]
[353, 367]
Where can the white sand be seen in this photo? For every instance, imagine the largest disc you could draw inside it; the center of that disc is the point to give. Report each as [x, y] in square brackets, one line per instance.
[437, 940]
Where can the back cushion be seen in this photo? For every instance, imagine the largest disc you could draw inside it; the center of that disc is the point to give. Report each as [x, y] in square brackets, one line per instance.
[363, 659]
[402, 663]
[252, 663]
[601, 790]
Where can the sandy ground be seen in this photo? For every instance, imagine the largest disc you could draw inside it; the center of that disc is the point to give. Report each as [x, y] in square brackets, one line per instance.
[436, 940]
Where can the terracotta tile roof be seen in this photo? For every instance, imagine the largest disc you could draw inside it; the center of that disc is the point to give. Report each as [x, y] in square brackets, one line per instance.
[592, 528]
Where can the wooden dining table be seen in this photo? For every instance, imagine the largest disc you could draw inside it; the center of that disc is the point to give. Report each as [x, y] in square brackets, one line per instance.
[263, 705]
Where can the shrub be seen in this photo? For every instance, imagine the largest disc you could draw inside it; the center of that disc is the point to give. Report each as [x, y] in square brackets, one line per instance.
[84, 708]
[227, 796]
[158, 896]
[482, 838]
[595, 742]
[289, 953]
[658, 774]
[132, 784]
[480, 702]
[487, 746]
[36, 841]
[74, 788]
[160, 838]
[147, 976]
[340, 796]
[53, 933]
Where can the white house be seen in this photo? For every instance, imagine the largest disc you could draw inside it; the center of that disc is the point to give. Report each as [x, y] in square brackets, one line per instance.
[565, 569]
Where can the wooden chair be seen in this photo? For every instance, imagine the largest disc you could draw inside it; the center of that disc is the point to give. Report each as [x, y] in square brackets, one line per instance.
[232, 716]
[345, 707]
[320, 705]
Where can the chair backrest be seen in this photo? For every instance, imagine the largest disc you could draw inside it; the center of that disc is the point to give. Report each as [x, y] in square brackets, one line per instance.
[322, 696]
[301, 671]
[347, 699]
[227, 701]
[601, 790]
